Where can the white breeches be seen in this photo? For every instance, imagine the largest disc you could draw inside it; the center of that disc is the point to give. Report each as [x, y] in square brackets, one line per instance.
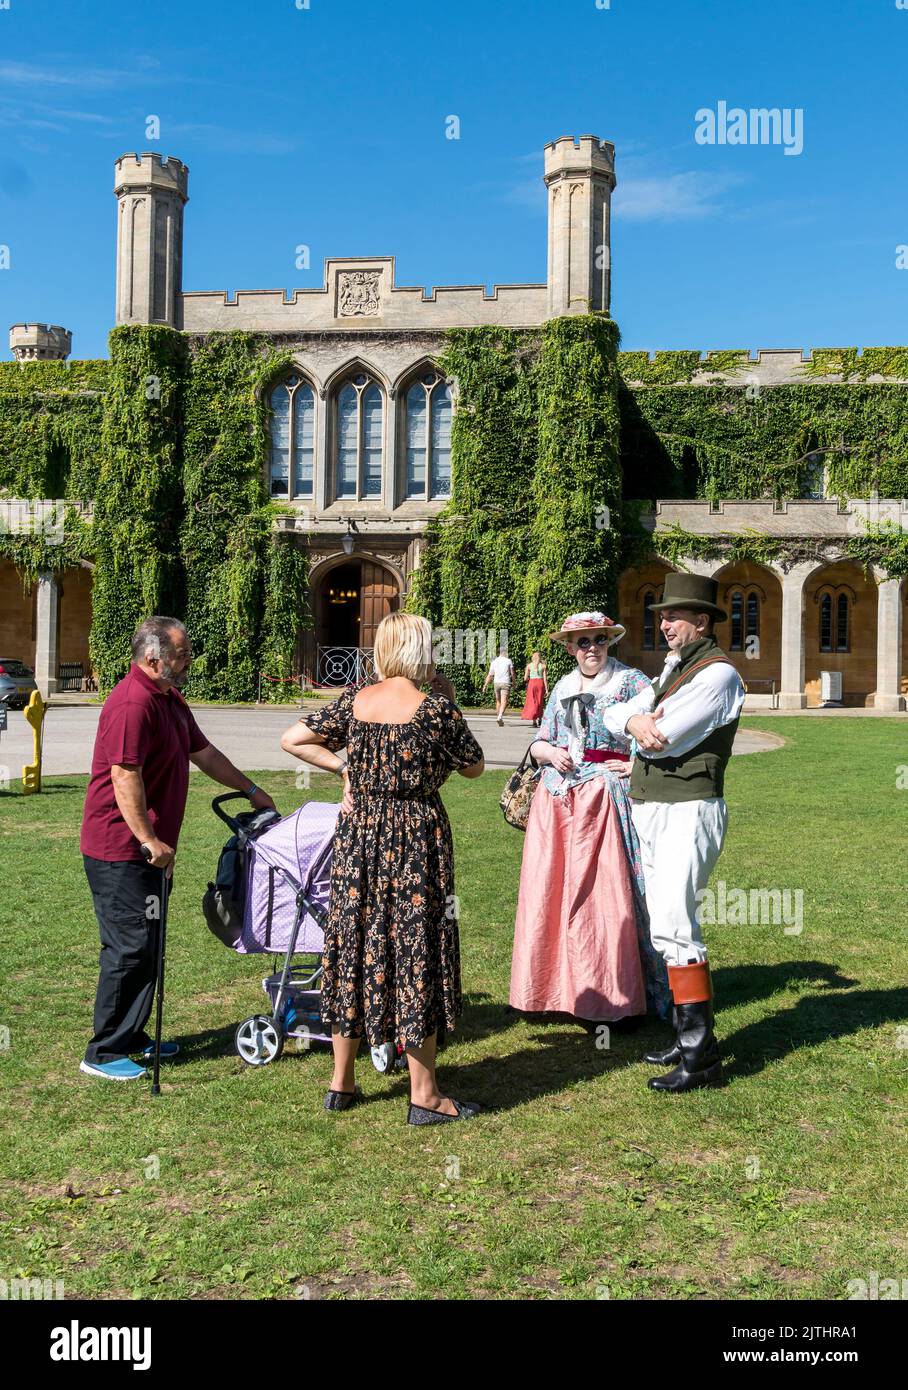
[679, 843]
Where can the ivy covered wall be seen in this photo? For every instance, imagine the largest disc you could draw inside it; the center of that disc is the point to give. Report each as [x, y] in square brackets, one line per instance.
[246, 592]
[167, 442]
[534, 465]
[737, 440]
[554, 432]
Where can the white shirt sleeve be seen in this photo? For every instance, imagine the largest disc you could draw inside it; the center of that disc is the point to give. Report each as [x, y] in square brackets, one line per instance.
[616, 716]
[711, 698]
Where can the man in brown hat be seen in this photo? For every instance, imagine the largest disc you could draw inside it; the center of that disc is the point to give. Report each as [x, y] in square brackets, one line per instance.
[685, 727]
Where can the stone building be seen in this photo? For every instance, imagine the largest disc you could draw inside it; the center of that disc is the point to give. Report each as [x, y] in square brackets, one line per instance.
[360, 450]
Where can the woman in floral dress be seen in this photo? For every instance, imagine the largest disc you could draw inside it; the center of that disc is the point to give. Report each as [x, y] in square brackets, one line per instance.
[581, 939]
[392, 955]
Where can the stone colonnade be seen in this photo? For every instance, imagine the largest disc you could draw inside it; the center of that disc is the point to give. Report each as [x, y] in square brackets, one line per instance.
[792, 694]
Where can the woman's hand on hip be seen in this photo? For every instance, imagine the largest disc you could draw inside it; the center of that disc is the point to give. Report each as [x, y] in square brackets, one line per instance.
[347, 798]
[561, 760]
[618, 767]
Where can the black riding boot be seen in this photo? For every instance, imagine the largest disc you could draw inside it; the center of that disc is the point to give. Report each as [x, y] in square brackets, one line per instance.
[669, 1056]
[700, 1064]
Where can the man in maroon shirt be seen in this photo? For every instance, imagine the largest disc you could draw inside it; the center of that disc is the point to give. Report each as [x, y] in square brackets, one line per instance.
[134, 808]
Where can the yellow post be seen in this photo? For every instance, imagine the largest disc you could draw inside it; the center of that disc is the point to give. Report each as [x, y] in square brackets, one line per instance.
[35, 711]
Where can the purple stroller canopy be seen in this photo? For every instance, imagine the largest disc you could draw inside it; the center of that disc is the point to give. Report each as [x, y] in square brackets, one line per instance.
[279, 862]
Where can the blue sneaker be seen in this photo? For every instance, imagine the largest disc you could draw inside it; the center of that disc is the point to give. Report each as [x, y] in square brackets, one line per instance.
[168, 1049]
[120, 1070]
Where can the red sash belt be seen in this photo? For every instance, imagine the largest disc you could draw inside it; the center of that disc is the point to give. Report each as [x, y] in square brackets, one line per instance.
[599, 755]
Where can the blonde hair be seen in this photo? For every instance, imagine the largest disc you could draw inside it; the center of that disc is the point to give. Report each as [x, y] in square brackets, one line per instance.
[403, 647]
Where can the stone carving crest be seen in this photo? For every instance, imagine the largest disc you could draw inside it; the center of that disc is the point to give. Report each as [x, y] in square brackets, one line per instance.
[358, 293]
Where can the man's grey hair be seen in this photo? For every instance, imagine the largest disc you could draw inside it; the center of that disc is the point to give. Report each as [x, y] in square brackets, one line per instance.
[156, 633]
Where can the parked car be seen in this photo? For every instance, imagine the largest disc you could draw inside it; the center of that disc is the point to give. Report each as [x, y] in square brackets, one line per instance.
[17, 681]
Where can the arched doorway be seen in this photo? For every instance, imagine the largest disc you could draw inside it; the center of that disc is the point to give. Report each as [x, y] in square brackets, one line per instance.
[840, 631]
[644, 646]
[350, 598]
[17, 616]
[752, 633]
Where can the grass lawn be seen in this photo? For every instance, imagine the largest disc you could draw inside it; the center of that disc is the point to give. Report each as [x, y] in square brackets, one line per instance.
[578, 1182]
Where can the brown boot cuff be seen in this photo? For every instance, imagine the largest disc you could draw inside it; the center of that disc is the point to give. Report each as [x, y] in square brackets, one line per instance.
[690, 984]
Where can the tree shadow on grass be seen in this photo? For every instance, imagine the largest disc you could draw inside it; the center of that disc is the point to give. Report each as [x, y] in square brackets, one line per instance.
[815, 1018]
[737, 984]
[567, 1052]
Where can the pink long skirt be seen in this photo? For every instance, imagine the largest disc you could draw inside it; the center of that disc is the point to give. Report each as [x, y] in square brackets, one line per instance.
[575, 939]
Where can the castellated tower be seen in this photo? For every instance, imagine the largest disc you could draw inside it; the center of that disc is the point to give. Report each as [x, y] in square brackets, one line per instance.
[151, 194]
[580, 179]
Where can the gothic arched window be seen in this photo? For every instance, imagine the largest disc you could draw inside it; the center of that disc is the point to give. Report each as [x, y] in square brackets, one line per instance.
[842, 634]
[360, 409]
[826, 623]
[291, 468]
[737, 621]
[745, 618]
[428, 431]
[652, 631]
[835, 623]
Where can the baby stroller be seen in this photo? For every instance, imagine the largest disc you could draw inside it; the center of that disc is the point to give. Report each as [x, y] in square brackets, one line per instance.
[271, 896]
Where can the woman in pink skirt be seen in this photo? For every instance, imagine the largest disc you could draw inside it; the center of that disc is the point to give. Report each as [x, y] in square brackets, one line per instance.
[581, 940]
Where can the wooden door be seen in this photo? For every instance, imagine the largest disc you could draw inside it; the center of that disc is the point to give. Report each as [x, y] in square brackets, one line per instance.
[378, 597]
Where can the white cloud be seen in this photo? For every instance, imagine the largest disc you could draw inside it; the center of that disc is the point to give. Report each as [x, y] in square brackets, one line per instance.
[672, 197]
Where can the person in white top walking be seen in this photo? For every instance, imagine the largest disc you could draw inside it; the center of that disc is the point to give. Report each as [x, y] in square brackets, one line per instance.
[684, 726]
[501, 670]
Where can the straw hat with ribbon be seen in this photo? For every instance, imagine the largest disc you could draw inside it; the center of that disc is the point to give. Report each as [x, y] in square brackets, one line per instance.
[584, 625]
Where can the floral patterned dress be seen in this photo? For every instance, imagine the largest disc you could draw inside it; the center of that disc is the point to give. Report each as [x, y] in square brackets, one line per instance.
[392, 955]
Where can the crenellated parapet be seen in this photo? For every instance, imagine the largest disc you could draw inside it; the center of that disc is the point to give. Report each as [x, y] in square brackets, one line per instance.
[361, 294]
[823, 518]
[766, 367]
[40, 342]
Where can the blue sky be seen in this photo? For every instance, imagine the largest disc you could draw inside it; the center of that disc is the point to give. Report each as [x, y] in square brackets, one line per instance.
[326, 126]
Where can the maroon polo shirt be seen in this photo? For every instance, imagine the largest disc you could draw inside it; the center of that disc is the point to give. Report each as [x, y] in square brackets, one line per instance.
[140, 726]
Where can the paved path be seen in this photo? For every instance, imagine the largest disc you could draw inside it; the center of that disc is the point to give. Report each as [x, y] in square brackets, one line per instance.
[251, 738]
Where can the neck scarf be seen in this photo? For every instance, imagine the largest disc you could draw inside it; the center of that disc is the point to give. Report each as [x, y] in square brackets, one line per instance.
[577, 703]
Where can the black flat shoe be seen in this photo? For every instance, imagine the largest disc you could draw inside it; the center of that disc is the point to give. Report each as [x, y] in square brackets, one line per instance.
[419, 1115]
[340, 1100]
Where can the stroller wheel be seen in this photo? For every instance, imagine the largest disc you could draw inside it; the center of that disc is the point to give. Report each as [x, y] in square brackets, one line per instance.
[258, 1040]
[383, 1056]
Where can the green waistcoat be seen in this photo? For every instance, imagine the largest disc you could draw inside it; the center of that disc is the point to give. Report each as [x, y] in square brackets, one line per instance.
[701, 772]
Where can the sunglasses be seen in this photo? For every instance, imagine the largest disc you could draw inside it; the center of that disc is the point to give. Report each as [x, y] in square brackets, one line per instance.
[586, 642]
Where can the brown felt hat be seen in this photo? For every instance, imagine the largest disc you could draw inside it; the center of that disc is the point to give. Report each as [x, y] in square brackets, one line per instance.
[694, 591]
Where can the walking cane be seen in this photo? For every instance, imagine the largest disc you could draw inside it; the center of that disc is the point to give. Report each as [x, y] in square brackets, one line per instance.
[159, 983]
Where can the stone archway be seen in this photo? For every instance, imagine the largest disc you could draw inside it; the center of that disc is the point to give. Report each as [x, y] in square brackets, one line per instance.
[75, 609]
[752, 596]
[349, 596]
[840, 631]
[17, 616]
[643, 646]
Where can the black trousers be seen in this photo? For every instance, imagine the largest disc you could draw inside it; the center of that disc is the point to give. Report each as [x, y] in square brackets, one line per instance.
[128, 908]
